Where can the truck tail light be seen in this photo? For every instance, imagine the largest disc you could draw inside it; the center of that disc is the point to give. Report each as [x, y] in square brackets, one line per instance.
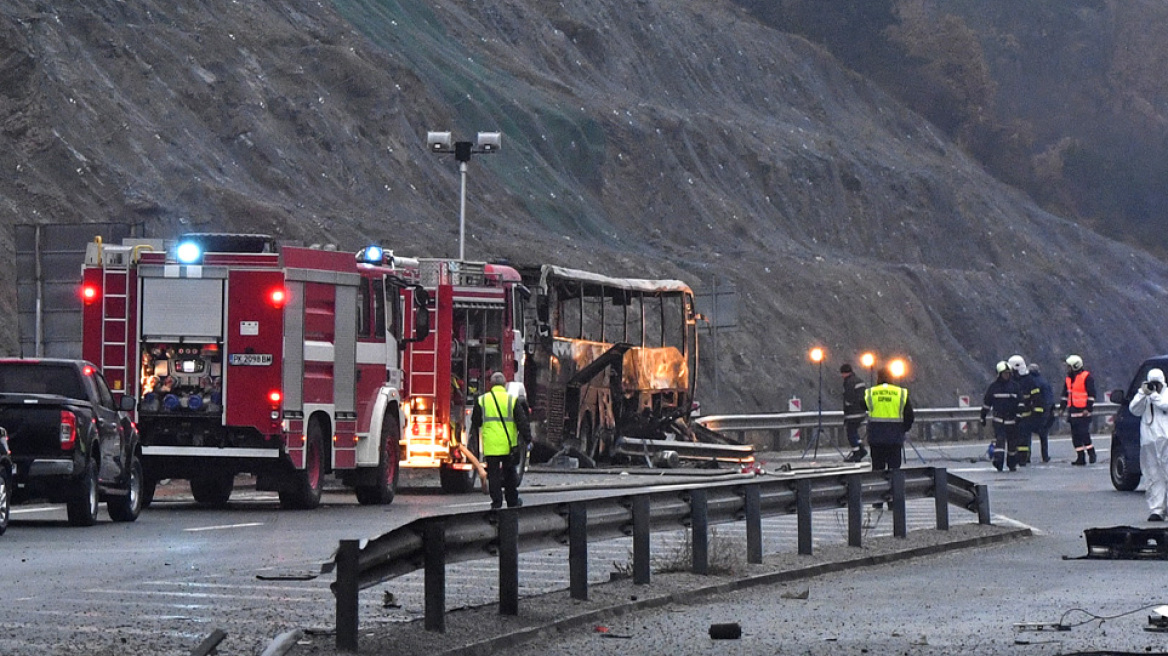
[277, 297]
[274, 397]
[68, 430]
[90, 294]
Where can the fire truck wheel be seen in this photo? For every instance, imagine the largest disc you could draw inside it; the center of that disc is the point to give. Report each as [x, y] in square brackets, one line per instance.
[381, 493]
[82, 504]
[149, 487]
[127, 507]
[306, 484]
[213, 489]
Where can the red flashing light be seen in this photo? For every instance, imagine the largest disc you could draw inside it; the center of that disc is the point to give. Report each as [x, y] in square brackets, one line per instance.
[89, 294]
[277, 297]
[68, 430]
[87, 370]
[275, 396]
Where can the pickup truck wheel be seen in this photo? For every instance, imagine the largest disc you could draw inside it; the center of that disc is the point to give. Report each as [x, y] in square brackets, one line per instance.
[382, 492]
[127, 507]
[307, 484]
[214, 489]
[82, 504]
[5, 499]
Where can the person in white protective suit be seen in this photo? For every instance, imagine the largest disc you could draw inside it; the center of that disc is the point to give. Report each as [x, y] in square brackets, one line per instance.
[1150, 404]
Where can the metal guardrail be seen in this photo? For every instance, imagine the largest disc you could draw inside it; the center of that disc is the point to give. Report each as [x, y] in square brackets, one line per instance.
[928, 418]
[430, 543]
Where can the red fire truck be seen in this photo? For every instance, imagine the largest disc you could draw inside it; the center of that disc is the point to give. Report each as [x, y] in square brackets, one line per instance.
[247, 356]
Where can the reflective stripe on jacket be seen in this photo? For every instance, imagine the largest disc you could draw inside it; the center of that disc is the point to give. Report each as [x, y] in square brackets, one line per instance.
[498, 431]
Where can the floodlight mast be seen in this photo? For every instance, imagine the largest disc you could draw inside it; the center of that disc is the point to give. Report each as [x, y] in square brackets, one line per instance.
[443, 143]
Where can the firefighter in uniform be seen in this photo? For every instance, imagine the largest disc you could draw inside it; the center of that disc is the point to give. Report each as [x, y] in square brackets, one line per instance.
[501, 419]
[1078, 400]
[1046, 419]
[1030, 414]
[854, 411]
[1002, 400]
[890, 416]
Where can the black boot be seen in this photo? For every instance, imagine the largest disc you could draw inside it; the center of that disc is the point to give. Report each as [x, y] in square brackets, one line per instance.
[1080, 460]
[1091, 454]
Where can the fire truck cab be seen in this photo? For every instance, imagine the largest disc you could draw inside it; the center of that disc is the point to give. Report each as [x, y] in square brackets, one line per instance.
[247, 356]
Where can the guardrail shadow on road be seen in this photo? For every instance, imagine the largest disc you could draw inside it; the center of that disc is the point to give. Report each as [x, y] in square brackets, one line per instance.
[430, 543]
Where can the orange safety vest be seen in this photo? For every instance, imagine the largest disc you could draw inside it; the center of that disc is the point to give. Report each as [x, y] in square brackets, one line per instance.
[1077, 390]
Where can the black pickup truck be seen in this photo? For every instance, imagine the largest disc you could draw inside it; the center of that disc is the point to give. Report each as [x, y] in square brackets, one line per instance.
[70, 442]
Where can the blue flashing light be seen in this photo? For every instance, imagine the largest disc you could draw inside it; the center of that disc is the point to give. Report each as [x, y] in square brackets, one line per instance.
[188, 252]
[374, 254]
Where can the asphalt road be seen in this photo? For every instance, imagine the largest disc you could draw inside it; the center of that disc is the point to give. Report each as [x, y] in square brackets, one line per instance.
[966, 602]
[163, 583]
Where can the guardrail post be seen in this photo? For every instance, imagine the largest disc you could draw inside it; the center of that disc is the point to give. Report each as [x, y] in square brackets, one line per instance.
[803, 508]
[641, 540]
[899, 520]
[855, 508]
[578, 550]
[700, 530]
[753, 524]
[346, 593]
[508, 532]
[434, 542]
[941, 497]
[983, 504]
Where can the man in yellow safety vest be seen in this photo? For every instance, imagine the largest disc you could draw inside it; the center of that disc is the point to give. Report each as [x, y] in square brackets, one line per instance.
[501, 420]
[890, 416]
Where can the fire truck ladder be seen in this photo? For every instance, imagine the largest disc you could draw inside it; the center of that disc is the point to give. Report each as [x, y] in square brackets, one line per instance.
[115, 325]
[424, 385]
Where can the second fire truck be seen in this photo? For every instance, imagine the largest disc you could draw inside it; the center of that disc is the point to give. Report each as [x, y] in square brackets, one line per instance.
[289, 363]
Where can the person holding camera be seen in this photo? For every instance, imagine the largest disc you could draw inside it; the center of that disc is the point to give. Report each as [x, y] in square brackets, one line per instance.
[1150, 404]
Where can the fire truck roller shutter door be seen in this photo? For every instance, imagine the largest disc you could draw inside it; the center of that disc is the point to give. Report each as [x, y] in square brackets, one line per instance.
[182, 307]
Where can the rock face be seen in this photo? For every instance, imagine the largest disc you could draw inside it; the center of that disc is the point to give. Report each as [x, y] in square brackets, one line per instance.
[672, 138]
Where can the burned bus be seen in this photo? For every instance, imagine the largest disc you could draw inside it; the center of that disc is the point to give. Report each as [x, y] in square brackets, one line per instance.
[611, 366]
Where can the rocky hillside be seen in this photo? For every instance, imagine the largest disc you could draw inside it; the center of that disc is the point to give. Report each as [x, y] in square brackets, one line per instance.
[678, 138]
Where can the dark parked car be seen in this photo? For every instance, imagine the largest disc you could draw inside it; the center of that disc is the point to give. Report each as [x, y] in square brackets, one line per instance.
[71, 442]
[1125, 438]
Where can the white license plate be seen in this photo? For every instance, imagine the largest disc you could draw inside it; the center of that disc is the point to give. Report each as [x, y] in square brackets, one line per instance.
[251, 359]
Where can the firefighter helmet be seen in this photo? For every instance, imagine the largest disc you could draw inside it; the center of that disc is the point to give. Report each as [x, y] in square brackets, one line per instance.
[1074, 362]
[1002, 366]
[1018, 364]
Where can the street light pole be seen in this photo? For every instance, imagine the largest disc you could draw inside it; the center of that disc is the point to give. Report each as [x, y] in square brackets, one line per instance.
[444, 143]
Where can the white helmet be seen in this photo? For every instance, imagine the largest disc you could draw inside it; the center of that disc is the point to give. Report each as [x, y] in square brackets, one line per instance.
[1018, 364]
[1074, 362]
[1002, 367]
[1156, 376]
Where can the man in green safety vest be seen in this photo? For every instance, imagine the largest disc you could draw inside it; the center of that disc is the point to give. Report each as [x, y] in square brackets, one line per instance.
[501, 420]
[890, 416]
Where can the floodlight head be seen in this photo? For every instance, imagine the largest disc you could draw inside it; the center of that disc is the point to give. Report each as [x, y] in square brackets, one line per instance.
[489, 142]
[440, 142]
